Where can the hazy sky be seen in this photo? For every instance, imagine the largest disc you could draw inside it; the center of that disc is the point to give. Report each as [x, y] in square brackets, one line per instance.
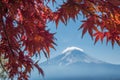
[69, 35]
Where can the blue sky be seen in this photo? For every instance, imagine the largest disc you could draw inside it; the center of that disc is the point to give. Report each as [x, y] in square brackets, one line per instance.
[69, 35]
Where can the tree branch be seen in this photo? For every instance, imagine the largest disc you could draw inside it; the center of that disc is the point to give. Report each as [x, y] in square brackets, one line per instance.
[7, 38]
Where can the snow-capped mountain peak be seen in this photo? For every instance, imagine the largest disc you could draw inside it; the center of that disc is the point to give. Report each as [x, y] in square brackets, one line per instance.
[73, 55]
[75, 63]
[68, 49]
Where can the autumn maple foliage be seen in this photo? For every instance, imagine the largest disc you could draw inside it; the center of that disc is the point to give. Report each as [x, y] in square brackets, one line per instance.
[23, 32]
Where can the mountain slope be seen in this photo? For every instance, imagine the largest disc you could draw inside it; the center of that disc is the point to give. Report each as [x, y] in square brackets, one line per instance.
[74, 64]
[72, 55]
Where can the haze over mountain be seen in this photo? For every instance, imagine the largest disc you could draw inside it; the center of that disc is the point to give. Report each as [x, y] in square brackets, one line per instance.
[74, 64]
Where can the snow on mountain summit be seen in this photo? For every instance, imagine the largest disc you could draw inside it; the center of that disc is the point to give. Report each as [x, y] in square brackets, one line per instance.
[68, 49]
[73, 55]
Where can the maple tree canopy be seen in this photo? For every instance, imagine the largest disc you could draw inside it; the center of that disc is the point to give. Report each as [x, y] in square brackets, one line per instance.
[23, 31]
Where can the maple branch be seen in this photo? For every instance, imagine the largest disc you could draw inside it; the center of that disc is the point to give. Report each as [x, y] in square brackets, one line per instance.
[93, 14]
[7, 38]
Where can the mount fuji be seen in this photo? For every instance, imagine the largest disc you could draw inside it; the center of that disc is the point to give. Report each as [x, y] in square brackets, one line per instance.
[70, 56]
[74, 64]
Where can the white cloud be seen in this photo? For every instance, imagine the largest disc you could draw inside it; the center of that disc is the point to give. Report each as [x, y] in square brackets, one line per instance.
[72, 48]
